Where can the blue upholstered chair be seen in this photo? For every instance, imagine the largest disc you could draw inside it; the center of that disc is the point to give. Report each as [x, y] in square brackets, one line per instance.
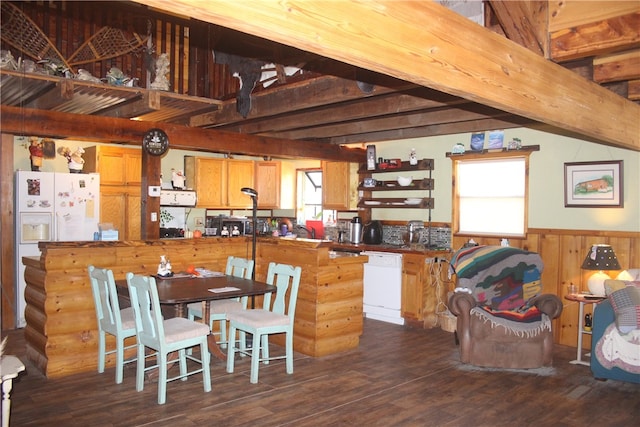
[165, 336]
[111, 319]
[615, 351]
[219, 309]
[270, 319]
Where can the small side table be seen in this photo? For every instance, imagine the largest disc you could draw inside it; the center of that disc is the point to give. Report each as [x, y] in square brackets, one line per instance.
[582, 299]
[10, 367]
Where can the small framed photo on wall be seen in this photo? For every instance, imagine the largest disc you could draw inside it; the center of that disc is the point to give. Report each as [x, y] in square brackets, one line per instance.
[593, 184]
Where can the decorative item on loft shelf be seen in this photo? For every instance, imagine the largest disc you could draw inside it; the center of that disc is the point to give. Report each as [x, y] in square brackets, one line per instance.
[593, 184]
[600, 257]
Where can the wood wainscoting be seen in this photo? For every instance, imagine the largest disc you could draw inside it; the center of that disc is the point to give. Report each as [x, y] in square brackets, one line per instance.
[563, 252]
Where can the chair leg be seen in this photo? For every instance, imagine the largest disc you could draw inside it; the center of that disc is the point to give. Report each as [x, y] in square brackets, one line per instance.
[265, 349]
[183, 364]
[231, 349]
[206, 360]
[162, 378]
[223, 333]
[101, 351]
[119, 359]
[255, 358]
[243, 342]
[140, 368]
[289, 350]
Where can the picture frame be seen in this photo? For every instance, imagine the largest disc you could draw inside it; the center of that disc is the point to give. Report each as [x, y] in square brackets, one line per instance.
[594, 184]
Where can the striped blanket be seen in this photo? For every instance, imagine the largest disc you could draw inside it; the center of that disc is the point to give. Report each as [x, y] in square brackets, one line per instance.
[500, 277]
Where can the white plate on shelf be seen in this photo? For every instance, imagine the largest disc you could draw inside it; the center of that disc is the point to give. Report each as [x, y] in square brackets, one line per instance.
[372, 202]
[412, 201]
[397, 203]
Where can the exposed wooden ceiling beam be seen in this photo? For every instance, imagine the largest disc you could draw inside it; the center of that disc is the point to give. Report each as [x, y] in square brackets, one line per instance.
[616, 67]
[294, 96]
[383, 105]
[24, 121]
[595, 38]
[435, 130]
[427, 44]
[524, 22]
[393, 121]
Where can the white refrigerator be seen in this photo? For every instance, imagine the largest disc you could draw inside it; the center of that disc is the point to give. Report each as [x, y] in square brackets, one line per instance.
[51, 207]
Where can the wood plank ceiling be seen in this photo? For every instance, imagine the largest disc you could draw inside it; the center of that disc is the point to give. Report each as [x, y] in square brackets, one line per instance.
[347, 94]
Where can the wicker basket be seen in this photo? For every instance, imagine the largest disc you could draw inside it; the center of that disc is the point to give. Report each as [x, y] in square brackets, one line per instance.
[448, 321]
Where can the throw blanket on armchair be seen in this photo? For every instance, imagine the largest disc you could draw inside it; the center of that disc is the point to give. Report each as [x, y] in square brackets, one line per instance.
[495, 283]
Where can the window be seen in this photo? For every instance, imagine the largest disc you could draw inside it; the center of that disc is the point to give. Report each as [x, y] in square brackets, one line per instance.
[309, 197]
[490, 195]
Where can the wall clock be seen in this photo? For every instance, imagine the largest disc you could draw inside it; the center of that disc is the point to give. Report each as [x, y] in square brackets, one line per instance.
[155, 142]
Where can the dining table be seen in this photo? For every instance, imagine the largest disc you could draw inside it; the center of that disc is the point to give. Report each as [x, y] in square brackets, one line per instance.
[181, 289]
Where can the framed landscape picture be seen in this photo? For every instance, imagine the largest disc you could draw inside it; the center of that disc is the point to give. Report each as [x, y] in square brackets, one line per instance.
[593, 184]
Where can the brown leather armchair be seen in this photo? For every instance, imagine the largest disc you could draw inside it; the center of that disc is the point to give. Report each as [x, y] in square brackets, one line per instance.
[502, 321]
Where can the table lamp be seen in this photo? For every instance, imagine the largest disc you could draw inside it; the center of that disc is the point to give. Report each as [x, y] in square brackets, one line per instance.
[600, 257]
[254, 195]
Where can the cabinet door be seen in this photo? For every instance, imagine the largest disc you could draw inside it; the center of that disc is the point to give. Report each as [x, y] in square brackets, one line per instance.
[111, 167]
[113, 208]
[210, 182]
[133, 167]
[267, 184]
[239, 175]
[412, 286]
[335, 185]
[133, 220]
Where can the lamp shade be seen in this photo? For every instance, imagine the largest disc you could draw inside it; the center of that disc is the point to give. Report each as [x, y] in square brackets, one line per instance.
[601, 257]
[249, 191]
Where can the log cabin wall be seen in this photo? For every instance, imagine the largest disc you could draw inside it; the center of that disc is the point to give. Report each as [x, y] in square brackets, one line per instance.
[563, 252]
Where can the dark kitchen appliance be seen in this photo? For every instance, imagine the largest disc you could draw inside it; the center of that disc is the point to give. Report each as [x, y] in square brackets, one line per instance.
[171, 233]
[214, 225]
[372, 233]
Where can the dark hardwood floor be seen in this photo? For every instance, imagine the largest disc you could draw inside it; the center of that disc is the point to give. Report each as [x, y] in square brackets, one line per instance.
[397, 377]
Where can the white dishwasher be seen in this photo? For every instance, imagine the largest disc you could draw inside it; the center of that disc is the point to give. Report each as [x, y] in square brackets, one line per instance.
[383, 287]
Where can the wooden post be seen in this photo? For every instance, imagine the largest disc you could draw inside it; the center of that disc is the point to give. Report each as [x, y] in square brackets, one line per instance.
[150, 206]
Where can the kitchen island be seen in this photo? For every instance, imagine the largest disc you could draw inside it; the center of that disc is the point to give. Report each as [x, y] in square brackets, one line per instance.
[62, 333]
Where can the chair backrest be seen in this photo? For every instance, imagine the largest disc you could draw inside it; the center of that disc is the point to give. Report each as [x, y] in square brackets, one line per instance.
[146, 307]
[105, 297]
[501, 277]
[283, 276]
[239, 267]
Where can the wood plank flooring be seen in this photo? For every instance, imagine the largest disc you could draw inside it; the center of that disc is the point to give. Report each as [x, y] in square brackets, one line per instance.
[397, 377]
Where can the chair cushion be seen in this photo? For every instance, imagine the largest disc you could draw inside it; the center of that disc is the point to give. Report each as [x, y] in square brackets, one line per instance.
[626, 304]
[217, 306]
[225, 306]
[179, 328]
[259, 318]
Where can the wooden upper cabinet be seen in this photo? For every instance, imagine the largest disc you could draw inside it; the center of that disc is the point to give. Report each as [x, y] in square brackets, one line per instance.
[218, 182]
[335, 185]
[116, 165]
[267, 184]
[207, 176]
[239, 175]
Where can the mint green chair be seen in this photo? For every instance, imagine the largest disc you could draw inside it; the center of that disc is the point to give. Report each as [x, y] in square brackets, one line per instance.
[270, 319]
[219, 309]
[111, 319]
[165, 336]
